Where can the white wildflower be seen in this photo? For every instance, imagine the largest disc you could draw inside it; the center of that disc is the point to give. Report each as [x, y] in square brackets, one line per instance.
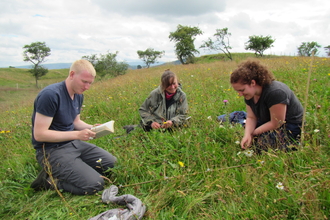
[280, 186]
[248, 153]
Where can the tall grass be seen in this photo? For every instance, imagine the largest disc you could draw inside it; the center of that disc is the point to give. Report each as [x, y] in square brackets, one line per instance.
[213, 180]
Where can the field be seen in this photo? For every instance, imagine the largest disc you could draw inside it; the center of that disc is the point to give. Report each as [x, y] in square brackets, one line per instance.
[198, 172]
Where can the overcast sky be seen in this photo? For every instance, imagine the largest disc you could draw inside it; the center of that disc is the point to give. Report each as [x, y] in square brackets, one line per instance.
[74, 28]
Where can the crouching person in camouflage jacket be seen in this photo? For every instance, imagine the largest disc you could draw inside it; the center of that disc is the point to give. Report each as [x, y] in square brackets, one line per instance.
[166, 107]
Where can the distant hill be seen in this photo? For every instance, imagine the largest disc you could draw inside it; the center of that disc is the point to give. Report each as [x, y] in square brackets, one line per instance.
[177, 62]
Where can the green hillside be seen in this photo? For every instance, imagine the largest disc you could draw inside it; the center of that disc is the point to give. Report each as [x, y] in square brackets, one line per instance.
[18, 86]
[198, 172]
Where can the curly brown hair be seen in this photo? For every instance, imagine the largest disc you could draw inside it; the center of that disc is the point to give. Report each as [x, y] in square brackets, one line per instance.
[252, 69]
[165, 80]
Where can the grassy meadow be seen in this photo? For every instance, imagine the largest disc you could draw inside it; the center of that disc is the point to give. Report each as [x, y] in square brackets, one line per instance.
[198, 172]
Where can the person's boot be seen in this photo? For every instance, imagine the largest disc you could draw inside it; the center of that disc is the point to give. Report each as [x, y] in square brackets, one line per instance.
[41, 182]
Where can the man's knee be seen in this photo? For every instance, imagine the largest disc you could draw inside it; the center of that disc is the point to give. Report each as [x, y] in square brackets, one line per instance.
[110, 162]
[93, 186]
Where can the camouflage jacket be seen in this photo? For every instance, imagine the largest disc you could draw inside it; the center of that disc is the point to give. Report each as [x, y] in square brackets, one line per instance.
[154, 108]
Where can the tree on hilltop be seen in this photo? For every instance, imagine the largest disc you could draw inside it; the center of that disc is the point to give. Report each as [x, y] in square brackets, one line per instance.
[306, 49]
[150, 56]
[106, 64]
[36, 53]
[259, 44]
[184, 37]
[221, 42]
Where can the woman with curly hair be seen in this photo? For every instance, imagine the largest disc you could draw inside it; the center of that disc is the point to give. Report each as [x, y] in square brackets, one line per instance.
[274, 113]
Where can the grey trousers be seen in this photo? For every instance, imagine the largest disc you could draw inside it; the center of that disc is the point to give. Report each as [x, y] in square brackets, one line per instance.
[77, 166]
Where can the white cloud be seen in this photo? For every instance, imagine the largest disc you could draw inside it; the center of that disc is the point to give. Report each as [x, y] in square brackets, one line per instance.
[162, 9]
[75, 28]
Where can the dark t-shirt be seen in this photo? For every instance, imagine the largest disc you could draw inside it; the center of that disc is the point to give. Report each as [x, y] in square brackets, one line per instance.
[276, 93]
[54, 101]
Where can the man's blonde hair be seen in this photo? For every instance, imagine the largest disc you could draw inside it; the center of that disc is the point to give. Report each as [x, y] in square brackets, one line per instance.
[81, 65]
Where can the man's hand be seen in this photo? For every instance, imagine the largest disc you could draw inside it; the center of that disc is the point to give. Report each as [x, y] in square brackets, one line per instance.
[86, 135]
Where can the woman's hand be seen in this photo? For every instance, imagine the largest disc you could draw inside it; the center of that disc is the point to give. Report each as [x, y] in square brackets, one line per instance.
[155, 125]
[246, 141]
[167, 124]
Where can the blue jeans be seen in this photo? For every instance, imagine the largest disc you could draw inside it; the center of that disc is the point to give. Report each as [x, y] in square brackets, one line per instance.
[76, 166]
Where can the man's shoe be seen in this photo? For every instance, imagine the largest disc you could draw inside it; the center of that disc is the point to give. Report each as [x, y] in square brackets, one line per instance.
[129, 128]
[41, 182]
[52, 184]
